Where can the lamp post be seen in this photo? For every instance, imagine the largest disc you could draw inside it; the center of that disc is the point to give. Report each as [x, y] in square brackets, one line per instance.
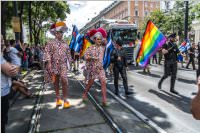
[186, 21]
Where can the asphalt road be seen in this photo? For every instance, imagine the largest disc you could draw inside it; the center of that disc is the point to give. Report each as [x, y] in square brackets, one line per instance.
[171, 112]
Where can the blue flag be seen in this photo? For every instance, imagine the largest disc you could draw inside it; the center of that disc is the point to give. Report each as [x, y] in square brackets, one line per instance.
[74, 34]
[184, 46]
[108, 51]
[79, 43]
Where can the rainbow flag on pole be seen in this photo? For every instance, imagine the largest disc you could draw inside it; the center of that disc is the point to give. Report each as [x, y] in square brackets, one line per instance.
[152, 40]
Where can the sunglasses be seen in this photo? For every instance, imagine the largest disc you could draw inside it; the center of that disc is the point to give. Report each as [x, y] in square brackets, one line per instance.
[98, 39]
[60, 32]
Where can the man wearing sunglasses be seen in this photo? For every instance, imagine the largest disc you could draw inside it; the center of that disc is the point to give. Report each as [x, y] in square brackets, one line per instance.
[57, 59]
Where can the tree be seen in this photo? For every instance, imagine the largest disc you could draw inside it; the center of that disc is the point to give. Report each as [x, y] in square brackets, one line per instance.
[34, 14]
[196, 11]
[6, 16]
[178, 16]
[173, 20]
[45, 11]
[159, 19]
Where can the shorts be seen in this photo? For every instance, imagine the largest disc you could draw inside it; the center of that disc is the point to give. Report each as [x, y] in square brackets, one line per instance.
[180, 58]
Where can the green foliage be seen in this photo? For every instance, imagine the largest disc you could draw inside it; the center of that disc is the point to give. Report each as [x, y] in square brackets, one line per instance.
[46, 11]
[159, 19]
[173, 21]
[6, 16]
[196, 11]
[41, 11]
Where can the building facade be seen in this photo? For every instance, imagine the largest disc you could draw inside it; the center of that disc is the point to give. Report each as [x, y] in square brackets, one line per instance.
[196, 30]
[133, 11]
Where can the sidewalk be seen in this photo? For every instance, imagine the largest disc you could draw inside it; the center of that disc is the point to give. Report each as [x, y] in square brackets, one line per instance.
[80, 118]
[21, 108]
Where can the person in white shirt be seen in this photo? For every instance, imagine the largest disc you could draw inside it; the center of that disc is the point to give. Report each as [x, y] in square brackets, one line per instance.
[7, 71]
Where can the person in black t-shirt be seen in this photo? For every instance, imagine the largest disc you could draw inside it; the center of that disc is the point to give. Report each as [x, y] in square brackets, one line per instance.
[118, 58]
[191, 53]
[170, 51]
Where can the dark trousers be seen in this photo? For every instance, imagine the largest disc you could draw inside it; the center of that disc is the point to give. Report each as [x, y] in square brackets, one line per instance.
[116, 72]
[154, 58]
[4, 112]
[191, 60]
[159, 57]
[169, 69]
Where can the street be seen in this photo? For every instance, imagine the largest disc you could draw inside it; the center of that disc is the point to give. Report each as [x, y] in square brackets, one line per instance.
[57, 56]
[170, 112]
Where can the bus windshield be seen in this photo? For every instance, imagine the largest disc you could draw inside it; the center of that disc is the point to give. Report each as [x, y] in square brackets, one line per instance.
[126, 35]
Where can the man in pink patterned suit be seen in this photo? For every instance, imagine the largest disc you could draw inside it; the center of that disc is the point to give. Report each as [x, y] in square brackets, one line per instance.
[57, 59]
[94, 66]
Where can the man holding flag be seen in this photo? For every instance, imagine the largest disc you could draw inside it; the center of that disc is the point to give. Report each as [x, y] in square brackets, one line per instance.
[170, 51]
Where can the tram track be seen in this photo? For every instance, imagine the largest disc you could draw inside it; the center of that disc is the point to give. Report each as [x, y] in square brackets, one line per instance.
[36, 110]
[134, 111]
[116, 128]
[108, 116]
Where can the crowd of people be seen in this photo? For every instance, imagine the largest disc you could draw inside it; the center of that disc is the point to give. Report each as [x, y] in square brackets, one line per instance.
[187, 57]
[57, 58]
[16, 60]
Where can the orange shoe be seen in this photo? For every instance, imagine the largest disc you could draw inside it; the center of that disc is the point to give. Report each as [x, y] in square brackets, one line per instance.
[59, 102]
[66, 104]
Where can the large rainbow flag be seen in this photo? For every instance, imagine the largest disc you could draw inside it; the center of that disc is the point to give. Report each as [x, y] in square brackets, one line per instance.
[152, 40]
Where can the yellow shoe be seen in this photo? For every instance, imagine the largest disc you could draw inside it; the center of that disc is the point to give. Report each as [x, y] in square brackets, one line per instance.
[59, 102]
[66, 105]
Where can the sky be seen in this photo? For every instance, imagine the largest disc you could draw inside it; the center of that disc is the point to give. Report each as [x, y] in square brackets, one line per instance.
[82, 12]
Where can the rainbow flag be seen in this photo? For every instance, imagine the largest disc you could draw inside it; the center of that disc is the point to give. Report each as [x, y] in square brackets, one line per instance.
[86, 44]
[152, 40]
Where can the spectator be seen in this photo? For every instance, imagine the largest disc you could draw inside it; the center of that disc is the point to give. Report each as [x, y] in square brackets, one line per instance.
[191, 53]
[36, 52]
[25, 57]
[33, 51]
[180, 59]
[154, 58]
[18, 46]
[14, 54]
[12, 57]
[159, 56]
[7, 71]
[19, 86]
[29, 54]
